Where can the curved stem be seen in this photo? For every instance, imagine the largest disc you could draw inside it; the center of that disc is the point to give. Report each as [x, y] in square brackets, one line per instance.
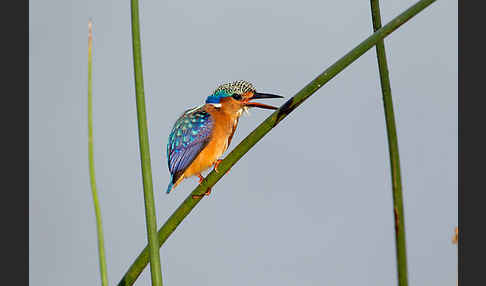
[189, 203]
[401, 250]
[94, 190]
[153, 244]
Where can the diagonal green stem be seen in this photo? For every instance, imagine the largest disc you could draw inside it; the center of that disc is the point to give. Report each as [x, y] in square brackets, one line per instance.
[153, 244]
[400, 245]
[189, 203]
[94, 190]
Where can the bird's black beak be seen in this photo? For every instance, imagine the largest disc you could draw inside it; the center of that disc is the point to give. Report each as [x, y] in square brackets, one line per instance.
[258, 95]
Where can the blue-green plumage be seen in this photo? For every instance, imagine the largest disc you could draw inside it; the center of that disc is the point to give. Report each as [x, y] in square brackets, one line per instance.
[216, 97]
[169, 188]
[189, 135]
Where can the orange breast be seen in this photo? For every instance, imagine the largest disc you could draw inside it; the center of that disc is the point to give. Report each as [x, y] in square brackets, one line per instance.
[224, 127]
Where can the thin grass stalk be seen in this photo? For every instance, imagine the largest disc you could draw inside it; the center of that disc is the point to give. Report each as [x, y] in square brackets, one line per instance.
[153, 244]
[190, 202]
[400, 245]
[94, 189]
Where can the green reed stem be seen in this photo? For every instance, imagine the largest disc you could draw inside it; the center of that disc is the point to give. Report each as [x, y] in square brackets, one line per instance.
[153, 244]
[189, 203]
[94, 190]
[400, 245]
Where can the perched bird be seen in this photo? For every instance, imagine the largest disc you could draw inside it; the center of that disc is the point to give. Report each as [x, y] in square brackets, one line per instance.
[202, 134]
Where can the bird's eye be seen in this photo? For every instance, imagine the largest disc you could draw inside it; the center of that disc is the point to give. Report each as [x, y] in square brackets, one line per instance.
[236, 96]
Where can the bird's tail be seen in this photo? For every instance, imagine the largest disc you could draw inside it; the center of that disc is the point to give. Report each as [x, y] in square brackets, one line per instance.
[171, 185]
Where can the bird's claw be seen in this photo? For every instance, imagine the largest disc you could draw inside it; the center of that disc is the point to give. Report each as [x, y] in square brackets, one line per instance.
[201, 178]
[217, 164]
[207, 193]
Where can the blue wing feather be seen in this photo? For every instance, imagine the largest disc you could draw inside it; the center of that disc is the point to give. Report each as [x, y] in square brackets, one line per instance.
[189, 135]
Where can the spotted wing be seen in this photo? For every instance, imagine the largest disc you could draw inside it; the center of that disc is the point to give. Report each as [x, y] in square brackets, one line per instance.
[190, 134]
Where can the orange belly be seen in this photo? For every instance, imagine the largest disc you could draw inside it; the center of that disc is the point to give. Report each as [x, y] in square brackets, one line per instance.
[207, 157]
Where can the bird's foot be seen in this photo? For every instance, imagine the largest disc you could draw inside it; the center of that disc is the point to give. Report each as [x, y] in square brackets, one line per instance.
[200, 196]
[201, 178]
[217, 164]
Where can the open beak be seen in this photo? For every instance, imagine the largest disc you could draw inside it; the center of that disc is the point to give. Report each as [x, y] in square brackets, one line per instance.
[258, 95]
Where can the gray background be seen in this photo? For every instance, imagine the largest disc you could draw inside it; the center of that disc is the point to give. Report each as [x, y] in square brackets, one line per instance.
[310, 204]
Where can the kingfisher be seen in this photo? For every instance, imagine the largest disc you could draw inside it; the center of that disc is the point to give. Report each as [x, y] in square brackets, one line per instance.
[202, 134]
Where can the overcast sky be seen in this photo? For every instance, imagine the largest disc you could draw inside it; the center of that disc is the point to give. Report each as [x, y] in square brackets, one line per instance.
[310, 204]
